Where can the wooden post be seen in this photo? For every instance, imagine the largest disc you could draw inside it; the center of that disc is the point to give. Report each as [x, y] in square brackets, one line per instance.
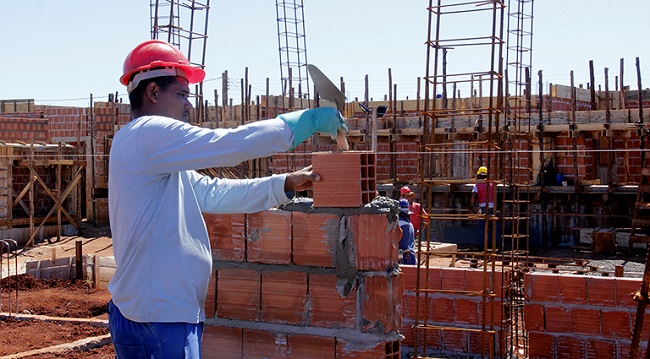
[79, 259]
[592, 88]
[638, 80]
[621, 88]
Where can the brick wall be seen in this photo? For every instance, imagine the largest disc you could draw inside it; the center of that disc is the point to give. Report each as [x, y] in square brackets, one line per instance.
[303, 285]
[566, 316]
[570, 316]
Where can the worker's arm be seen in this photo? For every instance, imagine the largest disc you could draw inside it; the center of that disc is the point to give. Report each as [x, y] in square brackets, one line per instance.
[471, 202]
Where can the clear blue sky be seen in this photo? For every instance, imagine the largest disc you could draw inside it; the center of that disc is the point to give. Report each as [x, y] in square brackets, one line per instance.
[54, 51]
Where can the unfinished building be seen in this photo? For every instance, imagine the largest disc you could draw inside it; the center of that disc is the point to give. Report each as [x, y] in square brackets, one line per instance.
[569, 166]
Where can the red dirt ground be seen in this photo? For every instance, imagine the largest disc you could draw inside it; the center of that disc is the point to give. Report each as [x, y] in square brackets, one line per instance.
[56, 298]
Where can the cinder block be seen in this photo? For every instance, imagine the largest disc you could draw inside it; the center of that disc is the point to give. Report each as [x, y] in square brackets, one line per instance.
[327, 308]
[586, 321]
[238, 294]
[269, 237]
[226, 233]
[263, 344]
[314, 239]
[312, 347]
[376, 241]
[222, 342]
[284, 297]
[348, 179]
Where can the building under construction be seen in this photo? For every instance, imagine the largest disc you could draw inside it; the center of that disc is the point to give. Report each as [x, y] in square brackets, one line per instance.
[569, 169]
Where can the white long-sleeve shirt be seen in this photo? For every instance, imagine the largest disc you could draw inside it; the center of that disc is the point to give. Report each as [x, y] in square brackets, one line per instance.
[156, 198]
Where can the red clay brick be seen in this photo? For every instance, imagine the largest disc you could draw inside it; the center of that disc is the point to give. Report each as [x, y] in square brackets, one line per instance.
[375, 241]
[314, 239]
[340, 184]
[544, 288]
[284, 297]
[442, 309]
[541, 346]
[222, 342]
[570, 347]
[485, 347]
[624, 289]
[377, 307]
[262, 344]
[226, 233]
[601, 349]
[312, 347]
[586, 321]
[354, 351]
[534, 317]
[453, 278]
[211, 296]
[466, 311]
[616, 324]
[573, 289]
[410, 273]
[455, 341]
[238, 294]
[327, 308]
[558, 319]
[474, 280]
[269, 237]
[601, 291]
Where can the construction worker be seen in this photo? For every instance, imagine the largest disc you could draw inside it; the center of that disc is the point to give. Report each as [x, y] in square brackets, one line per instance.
[156, 199]
[415, 209]
[482, 191]
[407, 242]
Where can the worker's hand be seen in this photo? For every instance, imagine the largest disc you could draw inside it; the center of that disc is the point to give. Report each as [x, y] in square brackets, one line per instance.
[300, 180]
[307, 122]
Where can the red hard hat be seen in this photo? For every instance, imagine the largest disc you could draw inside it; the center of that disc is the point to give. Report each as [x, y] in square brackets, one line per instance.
[156, 58]
[405, 190]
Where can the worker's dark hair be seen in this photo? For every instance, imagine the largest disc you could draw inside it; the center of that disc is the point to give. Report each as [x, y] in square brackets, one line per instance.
[135, 97]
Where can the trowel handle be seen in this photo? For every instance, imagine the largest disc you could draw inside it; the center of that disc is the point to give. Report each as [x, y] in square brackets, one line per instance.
[342, 141]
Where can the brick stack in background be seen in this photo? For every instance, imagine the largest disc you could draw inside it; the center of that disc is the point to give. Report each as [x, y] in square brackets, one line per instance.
[304, 285]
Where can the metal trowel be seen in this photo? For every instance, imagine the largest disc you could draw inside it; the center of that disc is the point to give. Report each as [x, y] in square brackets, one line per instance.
[329, 92]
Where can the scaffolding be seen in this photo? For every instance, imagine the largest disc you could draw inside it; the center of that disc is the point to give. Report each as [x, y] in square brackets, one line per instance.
[184, 24]
[518, 156]
[292, 47]
[449, 157]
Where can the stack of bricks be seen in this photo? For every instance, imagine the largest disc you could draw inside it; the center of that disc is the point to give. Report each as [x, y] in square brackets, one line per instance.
[306, 282]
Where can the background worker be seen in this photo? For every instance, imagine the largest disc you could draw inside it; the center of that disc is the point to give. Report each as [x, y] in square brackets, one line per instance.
[156, 199]
[416, 210]
[407, 242]
[483, 194]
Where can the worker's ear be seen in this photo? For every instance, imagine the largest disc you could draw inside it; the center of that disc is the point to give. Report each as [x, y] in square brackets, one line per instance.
[151, 92]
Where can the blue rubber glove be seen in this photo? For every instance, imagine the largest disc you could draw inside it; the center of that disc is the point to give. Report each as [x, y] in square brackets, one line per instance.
[305, 123]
